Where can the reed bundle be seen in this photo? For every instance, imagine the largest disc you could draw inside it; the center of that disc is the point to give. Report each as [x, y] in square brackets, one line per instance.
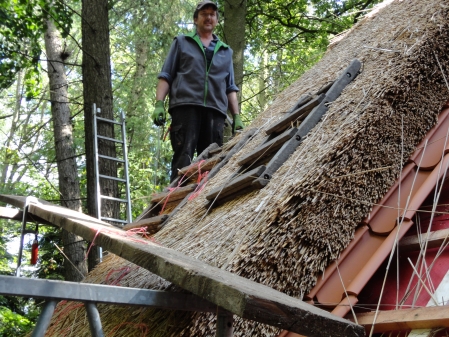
[287, 233]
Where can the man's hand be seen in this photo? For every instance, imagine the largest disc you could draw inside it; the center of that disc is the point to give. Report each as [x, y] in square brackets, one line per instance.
[158, 114]
[237, 123]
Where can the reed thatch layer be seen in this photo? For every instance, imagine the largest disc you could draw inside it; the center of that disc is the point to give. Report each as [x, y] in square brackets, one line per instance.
[286, 234]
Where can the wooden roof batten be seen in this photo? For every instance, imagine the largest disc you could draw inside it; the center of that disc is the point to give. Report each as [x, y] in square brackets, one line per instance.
[240, 296]
[166, 204]
[283, 139]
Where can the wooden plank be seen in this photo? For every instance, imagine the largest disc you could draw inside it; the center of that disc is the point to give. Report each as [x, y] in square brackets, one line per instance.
[237, 147]
[223, 200]
[299, 114]
[15, 214]
[406, 319]
[268, 148]
[176, 194]
[150, 223]
[248, 134]
[325, 88]
[290, 146]
[440, 294]
[236, 294]
[348, 75]
[225, 320]
[201, 156]
[309, 123]
[19, 201]
[11, 213]
[206, 165]
[434, 240]
[215, 151]
[240, 183]
[302, 100]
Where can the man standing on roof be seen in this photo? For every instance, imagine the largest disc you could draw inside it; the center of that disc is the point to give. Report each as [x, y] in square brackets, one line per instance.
[198, 75]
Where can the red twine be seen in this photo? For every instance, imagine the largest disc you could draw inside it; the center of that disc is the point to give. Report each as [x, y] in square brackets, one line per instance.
[171, 190]
[143, 231]
[142, 326]
[124, 271]
[61, 312]
[200, 187]
[196, 192]
[130, 234]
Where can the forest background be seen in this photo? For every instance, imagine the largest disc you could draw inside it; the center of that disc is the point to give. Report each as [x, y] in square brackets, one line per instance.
[59, 57]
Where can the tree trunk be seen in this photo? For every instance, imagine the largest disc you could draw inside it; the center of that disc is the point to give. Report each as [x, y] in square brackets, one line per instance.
[69, 188]
[14, 125]
[97, 88]
[137, 99]
[234, 35]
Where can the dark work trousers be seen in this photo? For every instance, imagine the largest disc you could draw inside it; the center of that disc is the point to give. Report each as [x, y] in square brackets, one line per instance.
[193, 129]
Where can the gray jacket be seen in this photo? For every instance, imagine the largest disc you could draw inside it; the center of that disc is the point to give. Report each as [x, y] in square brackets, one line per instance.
[190, 82]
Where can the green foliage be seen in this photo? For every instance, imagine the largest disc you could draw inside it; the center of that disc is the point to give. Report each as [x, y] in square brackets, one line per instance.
[284, 39]
[142, 35]
[6, 259]
[274, 25]
[19, 36]
[13, 324]
[17, 314]
[50, 262]
[148, 167]
[22, 24]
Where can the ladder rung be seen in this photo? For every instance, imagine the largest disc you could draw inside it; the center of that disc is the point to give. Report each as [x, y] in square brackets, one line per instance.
[108, 120]
[113, 199]
[114, 220]
[111, 139]
[113, 178]
[111, 158]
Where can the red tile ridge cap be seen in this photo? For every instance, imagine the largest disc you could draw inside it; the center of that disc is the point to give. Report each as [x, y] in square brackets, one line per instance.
[431, 182]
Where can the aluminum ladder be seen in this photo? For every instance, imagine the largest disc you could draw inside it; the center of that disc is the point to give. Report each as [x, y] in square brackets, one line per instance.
[124, 181]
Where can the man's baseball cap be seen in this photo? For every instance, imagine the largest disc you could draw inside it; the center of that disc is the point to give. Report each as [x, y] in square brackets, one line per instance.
[203, 4]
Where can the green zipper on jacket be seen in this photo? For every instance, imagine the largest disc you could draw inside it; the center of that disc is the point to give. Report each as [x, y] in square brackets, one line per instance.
[219, 44]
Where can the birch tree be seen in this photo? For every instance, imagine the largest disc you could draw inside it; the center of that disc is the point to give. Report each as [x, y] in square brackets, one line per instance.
[69, 188]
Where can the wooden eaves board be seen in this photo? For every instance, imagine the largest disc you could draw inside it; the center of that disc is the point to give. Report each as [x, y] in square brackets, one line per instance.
[236, 294]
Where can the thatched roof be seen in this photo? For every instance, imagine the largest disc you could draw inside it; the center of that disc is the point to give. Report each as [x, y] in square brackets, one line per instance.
[285, 234]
